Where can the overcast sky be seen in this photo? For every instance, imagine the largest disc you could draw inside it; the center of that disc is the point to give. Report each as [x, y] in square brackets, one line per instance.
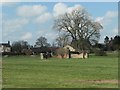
[30, 20]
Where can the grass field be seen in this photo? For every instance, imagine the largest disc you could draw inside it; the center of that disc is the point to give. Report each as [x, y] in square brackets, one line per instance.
[31, 72]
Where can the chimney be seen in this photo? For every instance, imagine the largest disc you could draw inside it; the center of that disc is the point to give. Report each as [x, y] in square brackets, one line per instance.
[8, 42]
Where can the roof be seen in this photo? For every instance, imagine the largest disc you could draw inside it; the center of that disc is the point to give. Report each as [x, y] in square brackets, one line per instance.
[5, 44]
[43, 49]
[69, 47]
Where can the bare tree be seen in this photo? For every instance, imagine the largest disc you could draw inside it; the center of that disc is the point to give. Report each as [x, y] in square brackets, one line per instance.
[62, 40]
[80, 26]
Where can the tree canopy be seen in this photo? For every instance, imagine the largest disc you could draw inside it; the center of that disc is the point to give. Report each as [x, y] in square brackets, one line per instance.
[19, 46]
[41, 42]
[78, 24]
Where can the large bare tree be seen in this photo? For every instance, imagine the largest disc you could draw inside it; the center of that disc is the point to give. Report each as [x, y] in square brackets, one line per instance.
[80, 26]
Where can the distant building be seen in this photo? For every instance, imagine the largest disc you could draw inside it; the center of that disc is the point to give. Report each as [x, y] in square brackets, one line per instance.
[5, 47]
[38, 50]
[72, 53]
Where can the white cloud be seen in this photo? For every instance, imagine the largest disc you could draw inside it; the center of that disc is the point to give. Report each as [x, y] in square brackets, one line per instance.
[20, 0]
[28, 11]
[61, 8]
[50, 35]
[27, 36]
[109, 23]
[43, 18]
[75, 7]
[99, 19]
[8, 3]
[115, 31]
[111, 14]
[3, 1]
[0, 27]
[14, 25]
[107, 18]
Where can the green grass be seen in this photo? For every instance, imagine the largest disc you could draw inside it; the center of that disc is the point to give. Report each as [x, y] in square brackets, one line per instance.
[31, 72]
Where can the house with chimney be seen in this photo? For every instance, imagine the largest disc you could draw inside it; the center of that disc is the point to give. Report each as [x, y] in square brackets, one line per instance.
[5, 47]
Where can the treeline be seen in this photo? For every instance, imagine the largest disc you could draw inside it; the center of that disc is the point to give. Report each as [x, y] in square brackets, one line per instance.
[110, 43]
[20, 47]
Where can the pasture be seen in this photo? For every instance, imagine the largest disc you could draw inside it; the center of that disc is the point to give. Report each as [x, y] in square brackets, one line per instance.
[31, 72]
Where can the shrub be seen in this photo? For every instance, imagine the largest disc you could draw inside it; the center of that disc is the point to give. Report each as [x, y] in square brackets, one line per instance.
[27, 51]
[62, 52]
[99, 52]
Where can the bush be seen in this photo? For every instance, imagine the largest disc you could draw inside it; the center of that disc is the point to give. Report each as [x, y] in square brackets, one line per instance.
[62, 52]
[99, 52]
[27, 51]
[11, 53]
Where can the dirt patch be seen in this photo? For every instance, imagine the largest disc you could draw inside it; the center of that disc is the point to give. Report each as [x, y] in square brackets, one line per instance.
[96, 81]
[100, 81]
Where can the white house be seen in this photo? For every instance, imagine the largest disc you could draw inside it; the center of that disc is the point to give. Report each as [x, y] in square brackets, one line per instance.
[5, 47]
